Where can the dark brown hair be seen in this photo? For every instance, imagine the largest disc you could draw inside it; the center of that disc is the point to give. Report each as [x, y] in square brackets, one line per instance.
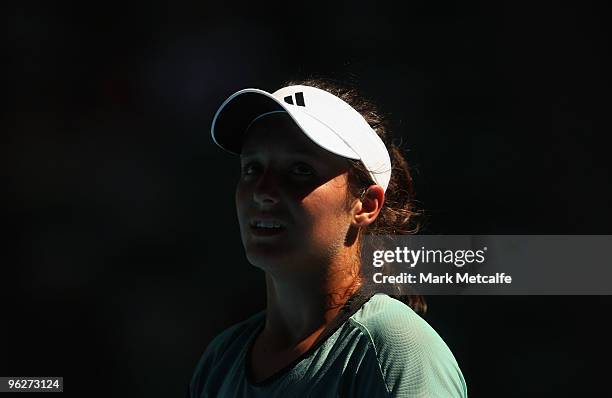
[399, 214]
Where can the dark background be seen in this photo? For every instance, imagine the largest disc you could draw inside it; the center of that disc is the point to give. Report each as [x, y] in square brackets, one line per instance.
[123, 257]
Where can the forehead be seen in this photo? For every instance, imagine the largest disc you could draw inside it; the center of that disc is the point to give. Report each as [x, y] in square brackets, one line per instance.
[278, 132]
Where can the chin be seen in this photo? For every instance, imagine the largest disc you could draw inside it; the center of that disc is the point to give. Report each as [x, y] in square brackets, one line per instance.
[272, 259]
[261, 256]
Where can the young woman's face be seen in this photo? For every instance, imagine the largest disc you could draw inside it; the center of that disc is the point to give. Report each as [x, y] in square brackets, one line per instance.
[291, 198]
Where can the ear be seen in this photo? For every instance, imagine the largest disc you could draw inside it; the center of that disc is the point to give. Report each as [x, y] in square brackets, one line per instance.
[366, 209]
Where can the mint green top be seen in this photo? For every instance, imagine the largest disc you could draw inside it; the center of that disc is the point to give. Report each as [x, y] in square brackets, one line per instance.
[382, 348]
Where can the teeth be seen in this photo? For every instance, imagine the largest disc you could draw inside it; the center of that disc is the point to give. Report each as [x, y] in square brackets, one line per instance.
[267, 224]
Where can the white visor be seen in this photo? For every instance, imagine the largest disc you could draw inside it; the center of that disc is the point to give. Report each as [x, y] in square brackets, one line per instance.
[327, 120]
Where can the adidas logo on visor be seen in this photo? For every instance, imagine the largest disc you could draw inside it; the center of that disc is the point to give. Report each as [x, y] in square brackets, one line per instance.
[299, 99]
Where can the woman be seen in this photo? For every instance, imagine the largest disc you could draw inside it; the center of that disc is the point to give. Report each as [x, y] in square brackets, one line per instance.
[316, 176]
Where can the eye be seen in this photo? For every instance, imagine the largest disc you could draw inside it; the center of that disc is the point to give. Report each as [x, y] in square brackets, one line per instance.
[250, 169]
[302, 169]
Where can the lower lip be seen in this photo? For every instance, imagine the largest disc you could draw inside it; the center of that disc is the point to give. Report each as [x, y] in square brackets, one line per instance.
[263, 232]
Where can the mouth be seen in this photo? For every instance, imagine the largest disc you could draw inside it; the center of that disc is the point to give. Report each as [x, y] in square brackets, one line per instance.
[266, 227]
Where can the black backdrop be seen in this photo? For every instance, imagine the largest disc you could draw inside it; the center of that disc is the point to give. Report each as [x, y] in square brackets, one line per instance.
[122, 255]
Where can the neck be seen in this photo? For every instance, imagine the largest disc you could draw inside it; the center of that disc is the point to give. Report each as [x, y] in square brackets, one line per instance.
[299, 308]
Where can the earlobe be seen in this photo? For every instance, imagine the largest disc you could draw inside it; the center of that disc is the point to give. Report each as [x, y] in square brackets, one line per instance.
[369, 206]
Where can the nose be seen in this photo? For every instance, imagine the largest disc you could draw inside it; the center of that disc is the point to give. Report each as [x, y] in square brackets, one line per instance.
[266, 191]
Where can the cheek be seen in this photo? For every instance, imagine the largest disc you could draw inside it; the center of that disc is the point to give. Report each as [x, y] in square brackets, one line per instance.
[241, 201]
[239, 196]
[329, 214]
